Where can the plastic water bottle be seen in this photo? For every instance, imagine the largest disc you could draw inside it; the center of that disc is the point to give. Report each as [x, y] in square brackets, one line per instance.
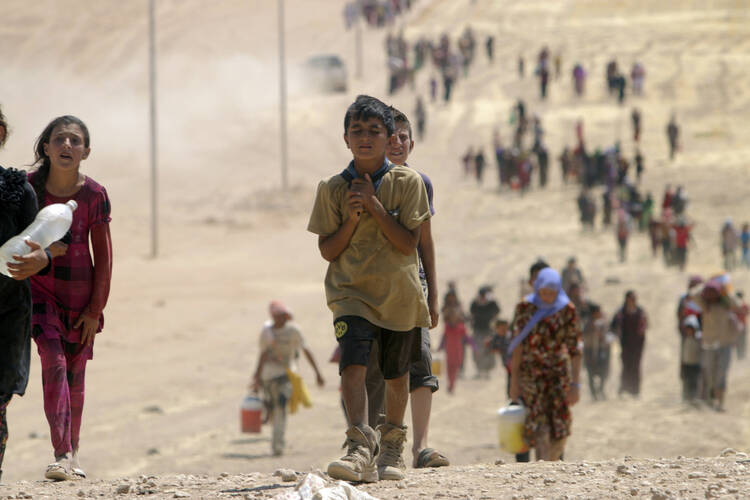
[50, 224]
[511, 420]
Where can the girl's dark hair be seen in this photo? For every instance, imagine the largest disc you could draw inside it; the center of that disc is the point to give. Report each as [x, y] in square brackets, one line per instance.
[4, 126]
[41, 160]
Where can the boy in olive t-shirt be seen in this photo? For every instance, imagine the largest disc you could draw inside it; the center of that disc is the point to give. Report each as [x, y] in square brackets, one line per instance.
[368, 222]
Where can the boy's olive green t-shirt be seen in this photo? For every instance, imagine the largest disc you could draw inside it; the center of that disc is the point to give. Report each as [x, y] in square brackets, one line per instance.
[371, 278]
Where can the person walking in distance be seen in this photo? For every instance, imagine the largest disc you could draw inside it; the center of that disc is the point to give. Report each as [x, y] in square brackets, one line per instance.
[673, 135]
[635, 117]
[484, 309]
[720, 330]
[730, 241]
[280, 345]
[630, 324]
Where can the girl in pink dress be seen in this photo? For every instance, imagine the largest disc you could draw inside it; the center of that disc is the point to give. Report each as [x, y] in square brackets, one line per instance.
[453, 343]
[69, 300]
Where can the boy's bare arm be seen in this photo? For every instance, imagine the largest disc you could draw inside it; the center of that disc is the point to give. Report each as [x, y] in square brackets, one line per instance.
[403, 239]
[427, 251]
[333, 245]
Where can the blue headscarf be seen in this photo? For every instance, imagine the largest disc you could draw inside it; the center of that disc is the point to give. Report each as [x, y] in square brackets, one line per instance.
[550, 279]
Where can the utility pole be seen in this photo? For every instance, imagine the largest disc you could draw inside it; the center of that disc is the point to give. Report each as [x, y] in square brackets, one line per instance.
[153, 123]
[282, 98]
[358, 45]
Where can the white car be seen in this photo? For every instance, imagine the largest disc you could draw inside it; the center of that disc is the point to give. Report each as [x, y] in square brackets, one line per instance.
[326, 73]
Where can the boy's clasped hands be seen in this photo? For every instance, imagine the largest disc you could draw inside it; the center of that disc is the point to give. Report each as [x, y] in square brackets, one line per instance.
[361, 196]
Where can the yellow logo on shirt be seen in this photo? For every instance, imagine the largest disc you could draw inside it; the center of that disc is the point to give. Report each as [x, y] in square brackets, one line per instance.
[341, 328]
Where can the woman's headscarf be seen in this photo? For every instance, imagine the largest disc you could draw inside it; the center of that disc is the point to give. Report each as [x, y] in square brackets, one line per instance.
[550, 279]
[547, 278]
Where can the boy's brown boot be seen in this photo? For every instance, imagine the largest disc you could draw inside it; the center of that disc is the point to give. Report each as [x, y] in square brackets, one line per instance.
[391, 464]
[358, 465]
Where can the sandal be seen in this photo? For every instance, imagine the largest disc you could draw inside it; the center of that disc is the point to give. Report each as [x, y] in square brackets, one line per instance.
[57, 472]
[78, 472]
[429, 457]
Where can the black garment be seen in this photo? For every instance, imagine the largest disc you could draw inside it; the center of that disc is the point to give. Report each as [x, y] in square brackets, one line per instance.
[690, 375]
[18, 208]
[4, 400]
[397, 350]
[543, 159]
[479, 165]
[483, 314]
[631, 330]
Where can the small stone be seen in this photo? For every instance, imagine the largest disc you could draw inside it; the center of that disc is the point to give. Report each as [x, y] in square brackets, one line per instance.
[696, 475]
[401, 485]
[81, 493]
[286, 475]
[499, 461]
[224, 474]
[624, 469]
[122, 489]
[152, 451]
[722, 475]
[549, 480]
[181, 494]
[658, 495]
[727, 452]
[634, 492]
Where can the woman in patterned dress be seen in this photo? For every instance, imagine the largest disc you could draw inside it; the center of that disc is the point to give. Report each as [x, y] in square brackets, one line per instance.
[546, 364]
